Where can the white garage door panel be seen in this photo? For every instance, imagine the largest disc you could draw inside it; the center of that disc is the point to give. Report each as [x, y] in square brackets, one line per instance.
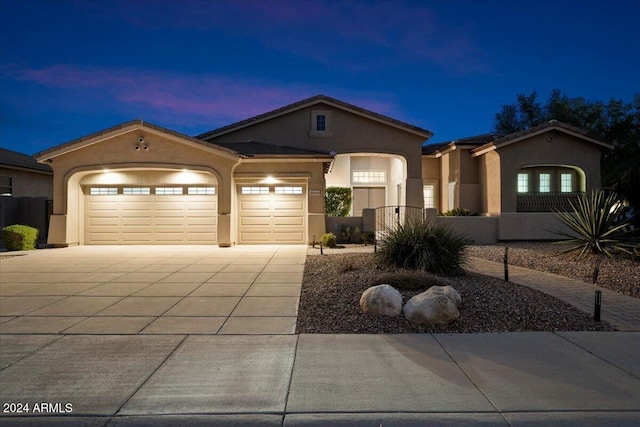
[145, 219]
[271, 218]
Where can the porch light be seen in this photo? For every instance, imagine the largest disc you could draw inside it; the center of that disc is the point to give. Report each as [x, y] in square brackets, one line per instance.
[270, 180]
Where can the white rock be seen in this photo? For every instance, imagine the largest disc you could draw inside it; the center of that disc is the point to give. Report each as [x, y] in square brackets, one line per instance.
[381, 300]
[447, 291]
[433, 307]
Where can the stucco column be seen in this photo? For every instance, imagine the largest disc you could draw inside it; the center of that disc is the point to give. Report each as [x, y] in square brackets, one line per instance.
[414, 192]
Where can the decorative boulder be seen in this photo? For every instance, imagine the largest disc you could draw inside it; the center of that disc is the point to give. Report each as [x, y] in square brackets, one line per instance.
[447, 291]
[434, 306]
[381, 300]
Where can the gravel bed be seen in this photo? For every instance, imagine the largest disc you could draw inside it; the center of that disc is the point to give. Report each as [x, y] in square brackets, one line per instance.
[332, 286]
[620, 273]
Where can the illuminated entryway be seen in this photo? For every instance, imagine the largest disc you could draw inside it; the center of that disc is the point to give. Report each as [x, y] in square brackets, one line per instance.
[376, 179]
[150, 207]
[272, 213]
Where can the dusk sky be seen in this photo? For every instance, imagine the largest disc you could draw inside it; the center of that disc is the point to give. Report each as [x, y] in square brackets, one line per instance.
[71, 68]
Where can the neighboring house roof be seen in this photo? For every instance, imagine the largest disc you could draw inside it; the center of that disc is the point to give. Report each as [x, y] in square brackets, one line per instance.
[259, 148]
[15, 160]
[441, 148]
[536, 130]
[314, 100]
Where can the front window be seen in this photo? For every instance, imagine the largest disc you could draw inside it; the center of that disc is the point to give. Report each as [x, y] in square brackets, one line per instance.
[321, 122]
[369, 177]
[566, 183]
[523, 183]
[429, 194]
[544, 183]
[6, 187]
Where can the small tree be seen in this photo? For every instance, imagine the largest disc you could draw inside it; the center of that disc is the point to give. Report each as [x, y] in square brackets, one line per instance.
[337, 201]
[593, 222]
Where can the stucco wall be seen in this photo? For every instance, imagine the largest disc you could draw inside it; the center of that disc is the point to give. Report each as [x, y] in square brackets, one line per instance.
[530, 226]
[490, 191]
[476, 229]
[29, 184]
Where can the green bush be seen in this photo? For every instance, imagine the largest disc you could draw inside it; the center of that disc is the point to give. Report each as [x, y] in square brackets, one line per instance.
[593, 222]
[458, 212]
[19, 237]
[329, 240]
[421, 244]
[368, 237]
[337, 201]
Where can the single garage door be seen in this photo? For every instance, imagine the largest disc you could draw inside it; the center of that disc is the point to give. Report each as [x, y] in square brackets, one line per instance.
[272, 214]
[150, 215]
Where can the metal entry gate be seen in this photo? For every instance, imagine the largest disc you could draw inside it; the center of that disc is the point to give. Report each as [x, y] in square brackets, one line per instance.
[388, 218]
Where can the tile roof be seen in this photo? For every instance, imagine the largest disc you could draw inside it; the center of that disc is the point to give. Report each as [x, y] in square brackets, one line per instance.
[551, 124]
[312, 101]
[476, 140]
[258, 148]
[24, 161]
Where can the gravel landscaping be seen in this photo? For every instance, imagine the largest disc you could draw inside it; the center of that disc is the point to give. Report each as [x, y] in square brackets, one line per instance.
[332, 286]
[620, 273]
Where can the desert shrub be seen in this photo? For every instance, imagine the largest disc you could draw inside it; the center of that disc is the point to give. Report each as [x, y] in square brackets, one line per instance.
[329, 240]
[594, 226]
[337, 201]
[348, 233]
[367, 237]
[19, 237]
[421, 244]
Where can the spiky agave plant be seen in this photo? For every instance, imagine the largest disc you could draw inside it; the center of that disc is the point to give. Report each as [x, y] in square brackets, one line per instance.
[593, 221]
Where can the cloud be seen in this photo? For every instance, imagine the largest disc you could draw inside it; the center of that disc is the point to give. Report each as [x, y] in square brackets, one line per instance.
[181, 99]
[352, 36]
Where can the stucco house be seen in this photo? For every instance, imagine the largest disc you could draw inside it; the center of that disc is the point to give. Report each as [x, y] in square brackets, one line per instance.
[22, 176]
[262, 180]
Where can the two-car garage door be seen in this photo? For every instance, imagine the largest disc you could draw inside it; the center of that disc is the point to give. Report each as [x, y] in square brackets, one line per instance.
[150, 215]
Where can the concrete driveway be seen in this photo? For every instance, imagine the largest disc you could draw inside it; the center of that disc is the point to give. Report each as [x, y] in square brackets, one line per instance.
[152, 290]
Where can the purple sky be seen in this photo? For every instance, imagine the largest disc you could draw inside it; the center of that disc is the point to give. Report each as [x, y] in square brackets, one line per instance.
[70, 68]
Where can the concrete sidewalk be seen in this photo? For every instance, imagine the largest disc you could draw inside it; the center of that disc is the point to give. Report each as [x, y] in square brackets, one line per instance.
[516, 379]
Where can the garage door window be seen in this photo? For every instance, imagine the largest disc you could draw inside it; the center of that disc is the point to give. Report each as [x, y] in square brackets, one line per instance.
[169, 190]
[136, 190]
[288, 190]
[255, 190]
[201, 190]
[103, 191]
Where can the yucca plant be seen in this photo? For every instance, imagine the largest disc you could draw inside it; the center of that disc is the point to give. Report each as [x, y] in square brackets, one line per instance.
[593, 222]
[422, 244]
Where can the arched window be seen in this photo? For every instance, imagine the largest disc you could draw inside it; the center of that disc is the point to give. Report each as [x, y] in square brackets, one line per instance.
[546, 188]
